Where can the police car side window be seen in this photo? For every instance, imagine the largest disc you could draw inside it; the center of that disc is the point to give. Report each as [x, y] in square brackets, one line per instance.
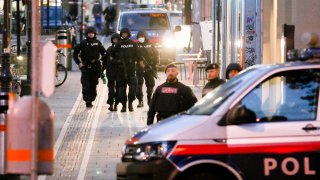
[286, 96]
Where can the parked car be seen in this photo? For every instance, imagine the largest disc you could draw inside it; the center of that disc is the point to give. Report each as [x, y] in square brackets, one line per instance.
[158, 26]
[262, 124]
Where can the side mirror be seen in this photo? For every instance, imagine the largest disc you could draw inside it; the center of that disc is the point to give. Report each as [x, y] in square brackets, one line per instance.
[240, 115]
[177, 28]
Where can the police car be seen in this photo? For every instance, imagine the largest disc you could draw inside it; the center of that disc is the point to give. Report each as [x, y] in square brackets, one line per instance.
[157, 24]
[262, 124]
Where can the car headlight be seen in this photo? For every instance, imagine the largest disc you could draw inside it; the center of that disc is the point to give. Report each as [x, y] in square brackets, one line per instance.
[147, 151]
[168, 42]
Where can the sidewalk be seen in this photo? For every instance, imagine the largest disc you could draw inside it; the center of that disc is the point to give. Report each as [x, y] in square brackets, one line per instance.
[88, 142]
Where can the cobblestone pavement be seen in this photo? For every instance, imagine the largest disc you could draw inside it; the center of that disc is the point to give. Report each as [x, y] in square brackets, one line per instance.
[88, 142]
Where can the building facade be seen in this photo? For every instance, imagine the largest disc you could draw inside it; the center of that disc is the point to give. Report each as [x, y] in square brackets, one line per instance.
[258, 31]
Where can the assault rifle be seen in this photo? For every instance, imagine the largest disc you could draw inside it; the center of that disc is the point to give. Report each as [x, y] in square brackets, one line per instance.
[149, 69]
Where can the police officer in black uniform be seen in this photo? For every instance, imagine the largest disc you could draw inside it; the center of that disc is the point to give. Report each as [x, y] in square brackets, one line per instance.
[127, 56]
[212, 71]
[89, 50]
[110, 65]
[146, 70]
[170, 97]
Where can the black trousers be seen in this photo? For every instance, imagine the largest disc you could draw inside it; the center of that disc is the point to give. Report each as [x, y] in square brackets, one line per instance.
[113, 95]
[150, 83]
[123, 82]
[89, 81]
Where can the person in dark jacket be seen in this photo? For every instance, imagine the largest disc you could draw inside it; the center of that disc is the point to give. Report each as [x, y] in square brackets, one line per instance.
[212, 71]
[127, 57]
[170, 97]
[110, 65]
[89, 50]
[146, 70]
[232, 70]
[110, 13]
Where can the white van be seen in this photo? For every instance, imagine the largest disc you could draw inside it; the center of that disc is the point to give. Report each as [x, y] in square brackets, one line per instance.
[158, 26]
[262, 124]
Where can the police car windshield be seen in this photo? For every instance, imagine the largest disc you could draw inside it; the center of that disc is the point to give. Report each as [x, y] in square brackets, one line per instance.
[145, 21]
[211, 102]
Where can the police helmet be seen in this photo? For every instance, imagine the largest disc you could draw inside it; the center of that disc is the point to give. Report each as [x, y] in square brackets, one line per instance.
[115, 35]
[142, 34]
[91, 30]
[125, 30]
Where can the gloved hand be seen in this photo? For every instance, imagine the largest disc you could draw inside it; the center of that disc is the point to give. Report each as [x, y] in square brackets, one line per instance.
[81, 65]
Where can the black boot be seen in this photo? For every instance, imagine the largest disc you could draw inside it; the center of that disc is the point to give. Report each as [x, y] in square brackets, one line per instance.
[140, 104]
[111, 107]
[124, 108]
[130, 106]
[88, 104]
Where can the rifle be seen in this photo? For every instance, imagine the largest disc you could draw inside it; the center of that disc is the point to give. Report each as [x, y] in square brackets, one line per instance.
[148, 68]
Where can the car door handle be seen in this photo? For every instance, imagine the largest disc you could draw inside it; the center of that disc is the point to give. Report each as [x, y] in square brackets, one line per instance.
[220, 140]
[310, 127]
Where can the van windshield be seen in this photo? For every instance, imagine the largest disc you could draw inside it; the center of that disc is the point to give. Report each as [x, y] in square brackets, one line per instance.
[212, 101]
[145, 21]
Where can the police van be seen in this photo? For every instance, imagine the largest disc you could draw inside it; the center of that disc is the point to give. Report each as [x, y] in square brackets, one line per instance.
[157, 24]
[262, 124]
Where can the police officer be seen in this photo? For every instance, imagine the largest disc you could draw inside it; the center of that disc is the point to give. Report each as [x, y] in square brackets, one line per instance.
[212, 71]
[89, 51]
[110, 65]
[232, 70]
[170, 97]
[127, 56]
[146, 70]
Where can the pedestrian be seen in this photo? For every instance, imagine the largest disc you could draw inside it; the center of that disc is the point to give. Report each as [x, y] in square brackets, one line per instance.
[127, 57]
[97, 11]
[232, 70]
[110, 65]
[110, 16]
[146, 69]
[170, 97]
[90, 50]
[212, 71]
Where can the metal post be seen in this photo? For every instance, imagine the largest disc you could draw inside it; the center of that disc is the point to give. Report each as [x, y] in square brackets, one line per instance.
[41, 19]
[48, 18]
[18, 28]
[81, 28]
[34, 89]
[56, 14]
[213, 14]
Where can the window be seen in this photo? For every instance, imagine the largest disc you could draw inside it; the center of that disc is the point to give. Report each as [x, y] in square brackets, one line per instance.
[145, 21]
[286, 96]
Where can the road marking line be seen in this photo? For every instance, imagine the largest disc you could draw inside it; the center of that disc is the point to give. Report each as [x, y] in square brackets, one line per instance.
[94, 125]
[64, 129]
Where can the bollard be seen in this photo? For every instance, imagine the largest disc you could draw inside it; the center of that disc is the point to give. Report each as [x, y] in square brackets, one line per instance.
[63, 42]
[19, 138]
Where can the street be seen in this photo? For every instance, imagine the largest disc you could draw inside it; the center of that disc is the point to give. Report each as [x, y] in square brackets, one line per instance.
[88, 142]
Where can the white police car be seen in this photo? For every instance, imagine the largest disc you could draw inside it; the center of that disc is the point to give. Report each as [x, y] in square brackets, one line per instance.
[262, 124]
